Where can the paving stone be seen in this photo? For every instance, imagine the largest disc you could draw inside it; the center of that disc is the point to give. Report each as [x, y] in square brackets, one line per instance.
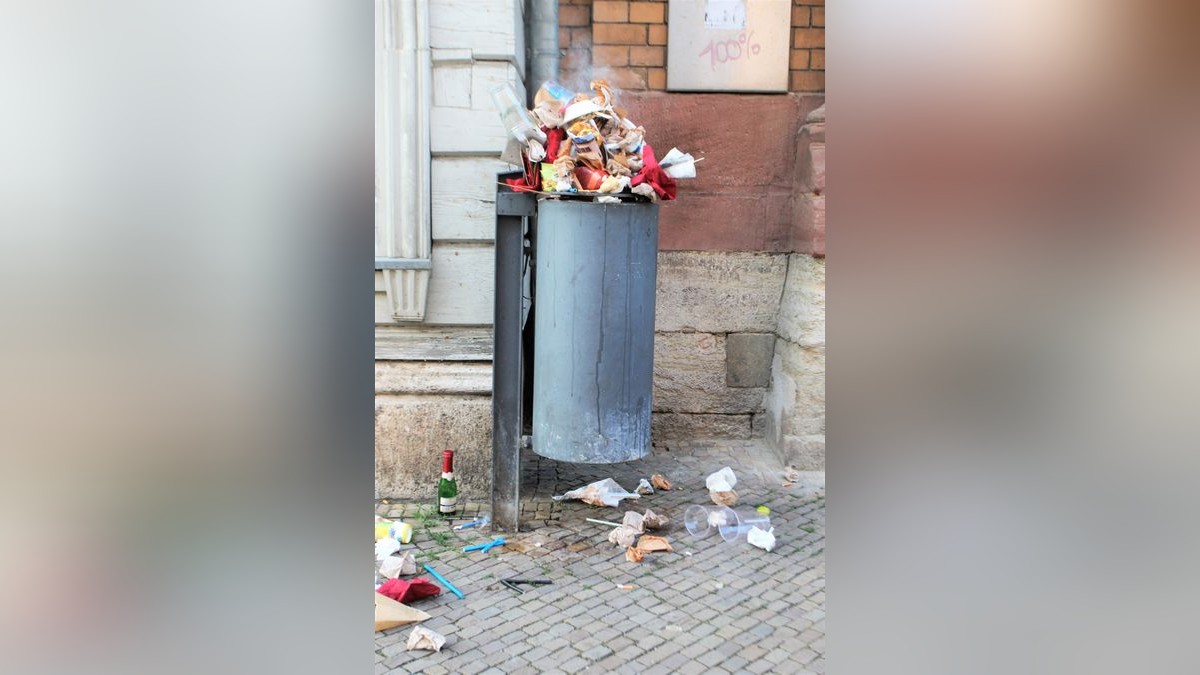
[766, 615]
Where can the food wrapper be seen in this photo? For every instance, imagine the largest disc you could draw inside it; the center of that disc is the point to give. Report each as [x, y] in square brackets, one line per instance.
[605, 492]
[644, 487]
[423, 638]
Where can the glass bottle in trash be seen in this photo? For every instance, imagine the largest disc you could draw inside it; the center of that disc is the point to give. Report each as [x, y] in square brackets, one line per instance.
[447, 486]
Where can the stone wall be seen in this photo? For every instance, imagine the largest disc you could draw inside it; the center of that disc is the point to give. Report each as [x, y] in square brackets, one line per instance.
[794, 422]
[795, 404]
[717, 314]
[423, 408]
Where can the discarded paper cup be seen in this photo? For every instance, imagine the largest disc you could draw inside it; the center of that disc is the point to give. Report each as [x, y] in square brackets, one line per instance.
[699, 519]
[738, 526]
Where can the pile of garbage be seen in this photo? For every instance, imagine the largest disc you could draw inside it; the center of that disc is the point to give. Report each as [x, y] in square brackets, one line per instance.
[582, 145]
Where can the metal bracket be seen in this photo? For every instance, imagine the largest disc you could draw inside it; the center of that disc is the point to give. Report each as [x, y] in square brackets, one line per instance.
[515, 204]
[513, 211]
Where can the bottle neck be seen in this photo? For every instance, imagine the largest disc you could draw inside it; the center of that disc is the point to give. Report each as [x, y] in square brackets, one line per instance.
[447, 463]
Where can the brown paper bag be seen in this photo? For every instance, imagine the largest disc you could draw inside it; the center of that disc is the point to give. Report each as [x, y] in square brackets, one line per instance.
[389, 613]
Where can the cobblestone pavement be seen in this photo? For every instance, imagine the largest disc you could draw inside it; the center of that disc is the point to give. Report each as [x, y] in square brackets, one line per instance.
[708, 607]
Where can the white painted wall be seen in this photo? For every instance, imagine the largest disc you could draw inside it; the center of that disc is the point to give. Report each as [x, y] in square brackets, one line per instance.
[476, 45]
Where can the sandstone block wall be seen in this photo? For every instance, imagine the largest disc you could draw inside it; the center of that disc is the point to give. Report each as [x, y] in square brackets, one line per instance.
[711, 366]
[794, 421]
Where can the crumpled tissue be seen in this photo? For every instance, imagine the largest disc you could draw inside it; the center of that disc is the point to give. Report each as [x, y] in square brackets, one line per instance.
[764, 539]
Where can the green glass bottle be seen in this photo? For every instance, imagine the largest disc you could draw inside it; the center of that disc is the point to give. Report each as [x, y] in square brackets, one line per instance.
[447, 486]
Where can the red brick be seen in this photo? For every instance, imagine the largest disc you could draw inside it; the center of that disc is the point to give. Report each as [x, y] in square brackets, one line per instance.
[574, 59]
[806, 38]
[800, 17]
[581, 38]
[618, 34]
[610, 12]
[573, 15]
[656, 78]
[610, 56]
[646, 12]
[564, 38]
[647, 56]
[817, 3]
[657, 35]
[818, 16]
[799, 60]
[807, 80]
[818, 59]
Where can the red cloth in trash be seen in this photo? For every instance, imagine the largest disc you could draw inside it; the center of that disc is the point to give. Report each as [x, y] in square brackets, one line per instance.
[653, 174]
[532, 180]
[401, 590]
[554, 138]
[529, 182]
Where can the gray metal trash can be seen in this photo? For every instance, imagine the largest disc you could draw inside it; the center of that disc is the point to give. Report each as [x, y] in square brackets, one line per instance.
[594, 328]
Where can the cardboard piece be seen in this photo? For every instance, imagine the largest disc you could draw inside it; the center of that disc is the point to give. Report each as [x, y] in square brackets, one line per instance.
[650, 543]
[389, 613]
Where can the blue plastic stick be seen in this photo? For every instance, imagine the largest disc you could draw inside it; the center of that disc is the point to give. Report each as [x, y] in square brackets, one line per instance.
[445, 583]
[498, 541]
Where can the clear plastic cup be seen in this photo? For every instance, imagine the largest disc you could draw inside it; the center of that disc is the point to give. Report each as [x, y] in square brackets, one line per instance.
[738, 526]
[701, 520]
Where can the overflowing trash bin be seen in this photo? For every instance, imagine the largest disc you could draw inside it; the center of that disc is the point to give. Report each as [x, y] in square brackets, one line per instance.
[592, 255]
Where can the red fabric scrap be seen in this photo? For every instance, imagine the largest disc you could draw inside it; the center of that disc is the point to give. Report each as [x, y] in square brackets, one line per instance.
[403, 590]
[654, 174]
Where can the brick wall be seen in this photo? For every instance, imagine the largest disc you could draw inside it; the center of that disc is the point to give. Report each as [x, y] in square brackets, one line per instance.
[630, 40]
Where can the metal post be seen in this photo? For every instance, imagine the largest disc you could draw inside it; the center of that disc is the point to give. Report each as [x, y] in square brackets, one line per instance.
[512, 208]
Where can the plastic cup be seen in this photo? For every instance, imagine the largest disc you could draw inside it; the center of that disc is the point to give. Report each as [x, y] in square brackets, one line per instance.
[737, 527]
[701, 519]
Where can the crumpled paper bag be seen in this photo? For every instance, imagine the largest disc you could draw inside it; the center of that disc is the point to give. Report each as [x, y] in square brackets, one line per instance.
[724, 498]
[635, 520]
[623, 535]
[389, 613]
[654, 521]
[660, 481]
[633, 555]
[396, 566]
[423, 638]
[760, 538]
[605, 492]
[720, 487]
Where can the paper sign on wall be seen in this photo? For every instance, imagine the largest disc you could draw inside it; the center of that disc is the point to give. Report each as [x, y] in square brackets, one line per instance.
[728, 45]
[725, 14]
